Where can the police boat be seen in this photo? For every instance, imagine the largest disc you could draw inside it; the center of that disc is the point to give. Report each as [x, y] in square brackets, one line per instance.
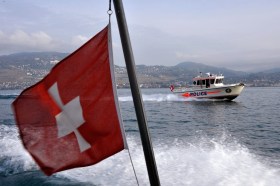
[209, 86]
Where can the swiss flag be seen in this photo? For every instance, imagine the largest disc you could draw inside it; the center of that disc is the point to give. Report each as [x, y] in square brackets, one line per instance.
[71, 118]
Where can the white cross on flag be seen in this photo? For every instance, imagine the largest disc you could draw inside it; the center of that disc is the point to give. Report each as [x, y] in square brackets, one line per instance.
[71, 118]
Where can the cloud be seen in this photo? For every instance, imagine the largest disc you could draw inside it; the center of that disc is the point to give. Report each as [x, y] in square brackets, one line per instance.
[22, 41]
[224, 33]
[79, 40]
[37, 39]
[181, 56]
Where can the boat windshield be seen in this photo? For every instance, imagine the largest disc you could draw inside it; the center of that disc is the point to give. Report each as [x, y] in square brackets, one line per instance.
[208, 81]
[218, 81]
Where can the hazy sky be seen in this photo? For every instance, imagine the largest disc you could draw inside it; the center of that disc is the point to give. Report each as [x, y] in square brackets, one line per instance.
[236, 34]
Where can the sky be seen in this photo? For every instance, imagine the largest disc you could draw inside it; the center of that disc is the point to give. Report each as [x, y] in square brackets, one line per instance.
[236, 34]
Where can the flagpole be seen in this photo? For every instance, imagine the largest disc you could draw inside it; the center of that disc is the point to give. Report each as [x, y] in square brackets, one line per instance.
[137, 99]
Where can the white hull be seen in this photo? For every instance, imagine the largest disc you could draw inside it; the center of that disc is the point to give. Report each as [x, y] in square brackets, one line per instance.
[225, 92]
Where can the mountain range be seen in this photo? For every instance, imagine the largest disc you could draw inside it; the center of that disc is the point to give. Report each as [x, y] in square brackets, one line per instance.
[21, 70]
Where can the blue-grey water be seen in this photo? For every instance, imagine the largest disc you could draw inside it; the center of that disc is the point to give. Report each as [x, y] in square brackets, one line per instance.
[196, 142]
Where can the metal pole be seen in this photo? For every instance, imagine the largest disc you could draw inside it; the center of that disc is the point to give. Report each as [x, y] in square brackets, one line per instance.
[136, 95]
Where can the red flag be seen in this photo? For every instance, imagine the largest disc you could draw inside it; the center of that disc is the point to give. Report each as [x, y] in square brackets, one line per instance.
[71, 118]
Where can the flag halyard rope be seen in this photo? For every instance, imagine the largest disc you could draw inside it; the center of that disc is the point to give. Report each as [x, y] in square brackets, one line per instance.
[110, 12]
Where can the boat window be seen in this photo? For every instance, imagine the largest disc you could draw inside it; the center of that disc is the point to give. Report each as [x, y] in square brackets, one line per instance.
[194, 82]
[203, 82]
[212, 81]
[207, 83]
[198, 82]
[218, 81]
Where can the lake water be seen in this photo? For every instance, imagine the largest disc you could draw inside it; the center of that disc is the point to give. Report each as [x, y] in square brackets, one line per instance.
[196, 142]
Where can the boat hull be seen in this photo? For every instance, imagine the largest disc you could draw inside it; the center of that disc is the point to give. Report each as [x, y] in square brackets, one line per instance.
[225, 92]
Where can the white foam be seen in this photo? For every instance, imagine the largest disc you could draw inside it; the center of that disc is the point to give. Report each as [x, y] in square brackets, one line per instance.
[184, 164]
[159, 98]
[197, 164]
[16, 158]
[203, 162]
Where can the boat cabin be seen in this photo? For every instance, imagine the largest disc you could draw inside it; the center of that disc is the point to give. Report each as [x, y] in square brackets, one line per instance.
[208, 81]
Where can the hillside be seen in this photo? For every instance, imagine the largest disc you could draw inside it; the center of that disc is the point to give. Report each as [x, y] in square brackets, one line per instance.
[21, 70]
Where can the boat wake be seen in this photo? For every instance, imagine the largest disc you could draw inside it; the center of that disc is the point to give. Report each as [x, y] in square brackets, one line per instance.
[162, 98]
[180, 162]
